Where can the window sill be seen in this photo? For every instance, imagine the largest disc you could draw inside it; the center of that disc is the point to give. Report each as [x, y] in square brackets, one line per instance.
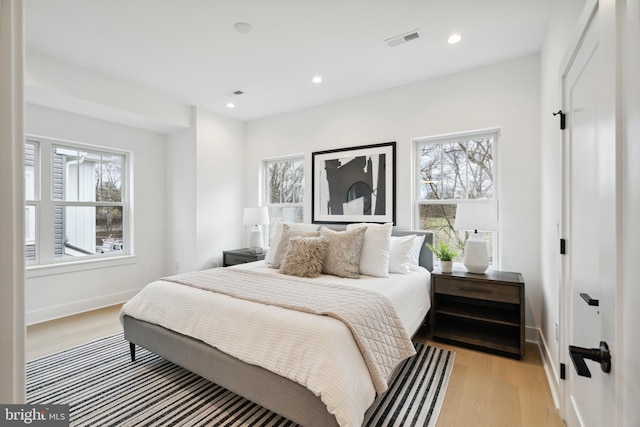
[71, 267]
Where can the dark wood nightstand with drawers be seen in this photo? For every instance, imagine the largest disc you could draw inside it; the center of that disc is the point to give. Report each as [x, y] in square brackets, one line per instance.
[481, 311]
[241, 256]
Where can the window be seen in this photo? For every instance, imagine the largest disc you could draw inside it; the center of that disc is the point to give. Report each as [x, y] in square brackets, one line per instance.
[76, 202]
[452, 170]
[284, 188]
[31, 192]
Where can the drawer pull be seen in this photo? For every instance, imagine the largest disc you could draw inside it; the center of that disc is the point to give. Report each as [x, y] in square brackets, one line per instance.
[477, 290]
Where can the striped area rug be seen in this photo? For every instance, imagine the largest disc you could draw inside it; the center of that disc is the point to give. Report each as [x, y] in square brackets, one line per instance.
[103, 388]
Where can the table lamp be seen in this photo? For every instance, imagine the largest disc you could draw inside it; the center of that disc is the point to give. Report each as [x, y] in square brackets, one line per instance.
[476, 216]
[256, 217]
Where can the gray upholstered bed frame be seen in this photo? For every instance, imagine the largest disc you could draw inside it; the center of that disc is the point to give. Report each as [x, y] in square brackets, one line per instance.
[257, 384]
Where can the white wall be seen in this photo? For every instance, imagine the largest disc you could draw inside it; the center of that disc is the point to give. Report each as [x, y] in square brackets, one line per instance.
[219, 187]
[56, 295]
[181, 201]
[563, 19]
[504, 95]
[205, 183]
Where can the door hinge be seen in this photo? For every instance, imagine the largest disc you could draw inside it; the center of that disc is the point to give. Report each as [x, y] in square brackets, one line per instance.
[563, 246]
[562, 118]
[563, 371]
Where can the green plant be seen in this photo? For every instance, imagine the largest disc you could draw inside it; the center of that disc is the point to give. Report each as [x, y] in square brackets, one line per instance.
[443, 252]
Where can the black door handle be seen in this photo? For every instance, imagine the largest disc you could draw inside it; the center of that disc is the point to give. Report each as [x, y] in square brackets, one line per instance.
[602, 355]
[590, 300]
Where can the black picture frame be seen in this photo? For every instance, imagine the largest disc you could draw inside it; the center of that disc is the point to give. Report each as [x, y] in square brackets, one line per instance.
[354, 184]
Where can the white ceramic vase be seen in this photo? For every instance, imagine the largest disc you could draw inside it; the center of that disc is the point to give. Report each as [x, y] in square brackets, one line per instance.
[476, 257]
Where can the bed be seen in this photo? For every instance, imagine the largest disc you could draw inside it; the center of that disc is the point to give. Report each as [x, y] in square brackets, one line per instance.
[301, 366]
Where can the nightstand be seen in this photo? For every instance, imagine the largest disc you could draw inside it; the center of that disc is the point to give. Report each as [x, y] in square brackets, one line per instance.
[481, 311]
[241, 256]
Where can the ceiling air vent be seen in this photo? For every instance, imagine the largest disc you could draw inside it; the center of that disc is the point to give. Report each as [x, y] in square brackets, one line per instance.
[233, 93]
[403, 38]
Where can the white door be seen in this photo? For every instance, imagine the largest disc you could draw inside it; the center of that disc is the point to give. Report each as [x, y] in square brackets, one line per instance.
[589, 224]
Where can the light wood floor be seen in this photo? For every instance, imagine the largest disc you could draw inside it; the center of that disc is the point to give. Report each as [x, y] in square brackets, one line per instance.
[51, 337]
[484, 390]
[489, 390]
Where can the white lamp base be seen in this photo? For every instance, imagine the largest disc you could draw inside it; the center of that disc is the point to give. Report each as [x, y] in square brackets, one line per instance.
[476, 257]
[255, 238]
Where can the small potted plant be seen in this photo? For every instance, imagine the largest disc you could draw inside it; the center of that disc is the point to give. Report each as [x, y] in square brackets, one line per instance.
[445, 254]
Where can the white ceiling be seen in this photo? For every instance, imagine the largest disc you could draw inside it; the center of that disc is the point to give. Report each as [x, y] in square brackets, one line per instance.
[189, 51]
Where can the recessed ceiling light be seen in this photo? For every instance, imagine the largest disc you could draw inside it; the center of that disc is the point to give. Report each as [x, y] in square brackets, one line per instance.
[317, 79]
[242, 27]
[454, 38]
[230, 105]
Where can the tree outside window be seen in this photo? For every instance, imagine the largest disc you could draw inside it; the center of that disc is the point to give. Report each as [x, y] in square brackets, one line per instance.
[284, 188]
[453, 170]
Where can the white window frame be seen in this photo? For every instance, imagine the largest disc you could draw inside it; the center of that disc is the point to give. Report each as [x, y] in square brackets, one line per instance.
[451, 138]
[46, 262]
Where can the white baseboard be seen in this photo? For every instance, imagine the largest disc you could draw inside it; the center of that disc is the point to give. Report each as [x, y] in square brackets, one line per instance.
[535, 335]
[76, 307]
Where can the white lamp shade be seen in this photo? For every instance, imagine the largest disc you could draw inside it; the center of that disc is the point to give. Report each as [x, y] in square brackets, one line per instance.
[477, 216]
[256, 216]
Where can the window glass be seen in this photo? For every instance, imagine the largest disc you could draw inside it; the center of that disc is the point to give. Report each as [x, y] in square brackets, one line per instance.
[90, 230]
[454, 170]
[88, 202]
[30, 163]
[283, 190]
[286, 213]
[31, 196]
[30, 233]
[285, 181]
[109, 178]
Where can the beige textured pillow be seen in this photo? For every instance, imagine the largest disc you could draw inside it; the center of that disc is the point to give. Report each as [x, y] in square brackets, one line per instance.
[287, 233]
[305, 256]
[343, 256]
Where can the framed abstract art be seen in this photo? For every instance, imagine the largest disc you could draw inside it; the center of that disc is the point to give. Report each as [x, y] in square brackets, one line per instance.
[355, 184]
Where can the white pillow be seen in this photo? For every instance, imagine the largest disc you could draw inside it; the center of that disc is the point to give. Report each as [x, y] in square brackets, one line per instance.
[374, 257]
[277, 236]
[417, 247]
[401, 254]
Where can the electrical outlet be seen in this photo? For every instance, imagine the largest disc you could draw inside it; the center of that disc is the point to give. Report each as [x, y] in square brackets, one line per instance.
[177, 265]
[557, 332]
[215, 263]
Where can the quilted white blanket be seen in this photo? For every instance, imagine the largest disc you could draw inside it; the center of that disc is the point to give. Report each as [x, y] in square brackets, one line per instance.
[376, 327]
[318, 352]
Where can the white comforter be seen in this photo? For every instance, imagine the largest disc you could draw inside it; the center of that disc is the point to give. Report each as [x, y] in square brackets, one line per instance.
[318, 352]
